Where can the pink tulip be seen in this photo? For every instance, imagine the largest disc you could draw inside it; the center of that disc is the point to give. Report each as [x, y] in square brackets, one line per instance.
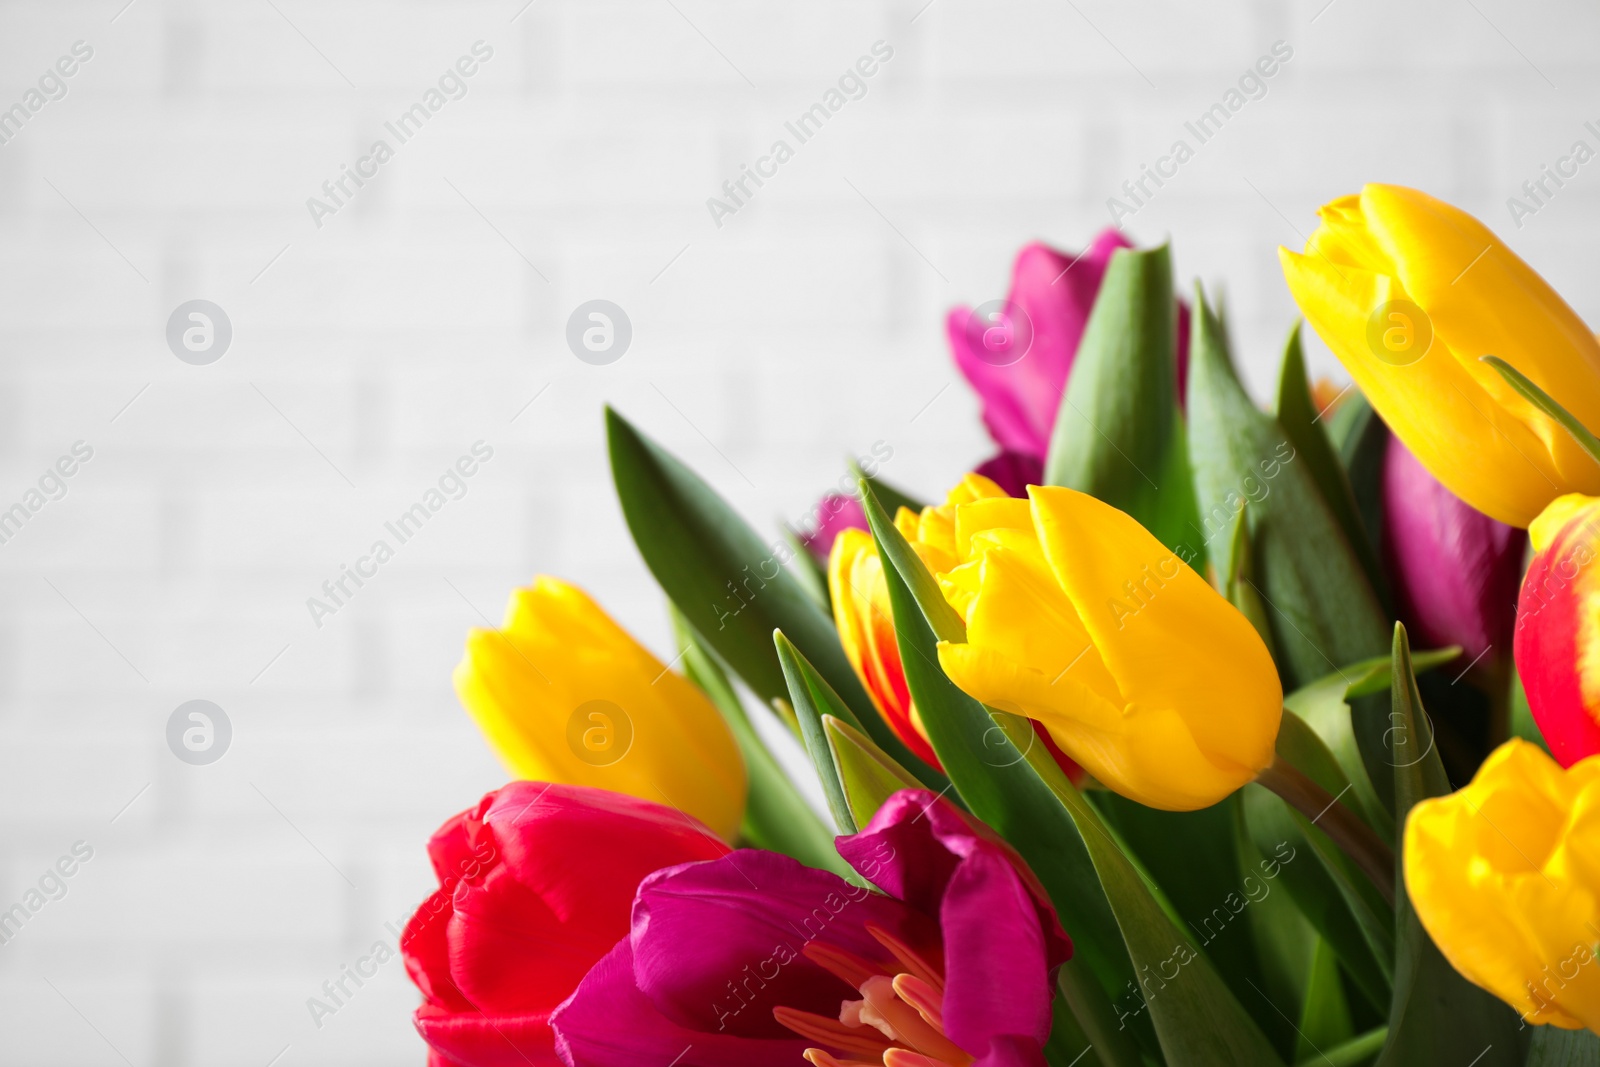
[1018, 356]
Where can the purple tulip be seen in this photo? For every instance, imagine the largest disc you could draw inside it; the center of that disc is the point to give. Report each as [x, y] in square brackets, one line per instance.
[1054, 293]
[754, 958]
[1455, 570]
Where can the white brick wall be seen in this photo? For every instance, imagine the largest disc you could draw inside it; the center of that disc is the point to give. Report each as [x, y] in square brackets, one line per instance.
[406, 328]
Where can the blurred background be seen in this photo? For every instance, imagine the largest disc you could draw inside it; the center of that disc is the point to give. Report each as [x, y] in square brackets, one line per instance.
[352, 349]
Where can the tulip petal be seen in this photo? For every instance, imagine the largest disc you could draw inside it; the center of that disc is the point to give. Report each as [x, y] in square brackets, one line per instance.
[1146, 754]
[1558, 629]
[717, 946]
[474, 1040]
[1502, 875]
[559, 651]
[1001, 936]
[865, 622]
[608, 1022]
[1455, 571]
[1465, 423]
[1056, 293]
[1170, 641]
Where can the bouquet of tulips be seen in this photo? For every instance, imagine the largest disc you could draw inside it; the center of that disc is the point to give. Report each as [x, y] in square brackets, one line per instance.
[1181, 732]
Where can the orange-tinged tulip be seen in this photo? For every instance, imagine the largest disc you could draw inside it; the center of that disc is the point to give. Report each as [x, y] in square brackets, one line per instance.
[861, 604]
[1078, 618]
[564, 694]
[1505, 876]
[1410, 293]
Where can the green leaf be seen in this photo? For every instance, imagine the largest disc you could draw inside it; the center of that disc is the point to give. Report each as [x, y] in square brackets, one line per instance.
[1352, 1053]
[1547, 404]
[1209, 886]
[1437, 1016]
[1333, 895]
[729, 583]
[1552, 1047]
[1322, 608]
[812, 699]
[1301, 422]
[1325, 707]
[1362, 441]
[1324, 1015]
[1285, 942]
[867, 775]
[1197, 1019]
[1239, 581]
[1119, 433]
[892, 498]
[776, 816]
[808, 572]
[985, 766]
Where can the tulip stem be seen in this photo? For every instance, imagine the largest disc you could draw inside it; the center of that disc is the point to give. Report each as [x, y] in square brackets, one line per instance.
[1330, 816]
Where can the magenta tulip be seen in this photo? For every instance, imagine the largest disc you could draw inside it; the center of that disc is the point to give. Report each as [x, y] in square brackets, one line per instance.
[1018, 357]
[1454, 570]
[754, 958]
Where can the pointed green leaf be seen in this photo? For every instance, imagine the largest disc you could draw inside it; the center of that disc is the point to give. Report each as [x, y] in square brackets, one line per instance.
[730, 584]
[1353, 1053]
[891, 497]
[1119, 433]
[776, 816]
[1335, 897]
[1437, 1015]
[808, 572]
[1197, 1018]
[1325, 707]
[1324, 1015]
[867, 775]
[1362, 441]
[813, 699]
[1239, 582]
[1285, 942]
[1302, 423]
[1322, 608]
[1194, 859]
[1547, 404]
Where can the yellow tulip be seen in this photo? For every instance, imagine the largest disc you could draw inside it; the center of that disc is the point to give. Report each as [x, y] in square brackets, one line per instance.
[1505, 876]
[564, 694]
[1409, 292]
[1080, 619]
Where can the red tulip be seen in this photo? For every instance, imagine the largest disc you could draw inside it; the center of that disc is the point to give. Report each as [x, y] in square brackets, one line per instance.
[536, 885]
[1558, 639]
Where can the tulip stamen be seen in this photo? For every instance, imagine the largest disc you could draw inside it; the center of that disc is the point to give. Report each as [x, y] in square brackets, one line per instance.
[819, 1058]
[905, 1024]
[909, 958]
[843, 964]
[840, 1035]
[928, 1001]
